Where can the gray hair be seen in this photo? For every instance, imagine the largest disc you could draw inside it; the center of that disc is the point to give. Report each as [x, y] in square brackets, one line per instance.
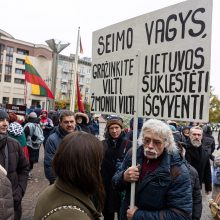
[162, 130]
[196, 128]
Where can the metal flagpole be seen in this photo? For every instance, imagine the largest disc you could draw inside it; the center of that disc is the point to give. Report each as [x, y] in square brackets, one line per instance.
[25, 92]
[135, 122]
[73, 94]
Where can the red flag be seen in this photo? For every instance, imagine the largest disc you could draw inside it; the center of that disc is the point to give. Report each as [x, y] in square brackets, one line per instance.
[81, 48]
[79, 98]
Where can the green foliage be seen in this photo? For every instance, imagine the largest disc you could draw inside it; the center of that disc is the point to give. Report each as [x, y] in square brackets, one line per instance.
[87, 106]
[214, 109]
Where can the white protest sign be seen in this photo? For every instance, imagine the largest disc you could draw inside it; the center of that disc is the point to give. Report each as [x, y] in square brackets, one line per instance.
[174, 44]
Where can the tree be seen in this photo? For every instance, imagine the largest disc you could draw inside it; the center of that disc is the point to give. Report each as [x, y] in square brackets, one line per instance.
[214, 109]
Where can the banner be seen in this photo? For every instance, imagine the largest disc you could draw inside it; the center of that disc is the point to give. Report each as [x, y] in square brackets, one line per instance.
[170, 48]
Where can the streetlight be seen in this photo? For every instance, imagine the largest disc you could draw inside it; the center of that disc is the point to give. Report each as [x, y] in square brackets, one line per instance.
[56, 46]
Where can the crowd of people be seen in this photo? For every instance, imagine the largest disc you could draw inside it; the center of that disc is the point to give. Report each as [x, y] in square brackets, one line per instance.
[89, 177]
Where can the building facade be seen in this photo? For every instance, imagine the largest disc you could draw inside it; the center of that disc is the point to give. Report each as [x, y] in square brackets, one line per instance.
[65, 78]
[14, 90]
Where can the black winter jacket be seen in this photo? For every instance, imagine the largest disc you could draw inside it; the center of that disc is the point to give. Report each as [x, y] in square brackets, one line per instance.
[14, 161]
[198, 157]
[114, 152]
[196, 193]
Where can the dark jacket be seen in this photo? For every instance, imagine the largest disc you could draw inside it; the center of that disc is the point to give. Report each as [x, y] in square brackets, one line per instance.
[208, 143]
[6, 198]
[198, 157]
[114, 153]
[196, 193]
[84, 126]
[46, 125]
[94, 127]
[164, 193]
[51, 146]
[219, 137]
[60, 194]
[14, 161]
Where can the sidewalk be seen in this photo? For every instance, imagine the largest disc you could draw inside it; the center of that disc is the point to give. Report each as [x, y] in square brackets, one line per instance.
[34, 188]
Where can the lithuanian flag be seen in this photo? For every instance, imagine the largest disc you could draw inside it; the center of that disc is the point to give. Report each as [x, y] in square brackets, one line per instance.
[39, 87]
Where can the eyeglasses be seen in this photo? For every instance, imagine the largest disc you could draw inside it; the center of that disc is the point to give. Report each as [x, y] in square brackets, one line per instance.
[147, 141]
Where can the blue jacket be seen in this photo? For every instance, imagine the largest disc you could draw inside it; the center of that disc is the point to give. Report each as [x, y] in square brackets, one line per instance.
[94, 127]
[51, 146]
[163, 194]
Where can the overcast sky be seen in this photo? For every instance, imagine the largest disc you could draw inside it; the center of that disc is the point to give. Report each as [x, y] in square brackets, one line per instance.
[38, 20]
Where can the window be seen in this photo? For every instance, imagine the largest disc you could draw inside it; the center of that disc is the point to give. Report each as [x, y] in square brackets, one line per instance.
[7, 78]
[0, 68]
[2, 48]
[22, 52]
[8, 69]
[81, 79]
[65, 76]
[5, 100]
[10, 50]
[17, 101]
[19, 81]
[81, 69]
[20, 61]
[19, 71]
[9, 60]
[87, 80]
[87, 90]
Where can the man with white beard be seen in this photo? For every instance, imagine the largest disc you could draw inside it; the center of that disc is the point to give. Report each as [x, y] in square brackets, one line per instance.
[198, 157]
[163, 185]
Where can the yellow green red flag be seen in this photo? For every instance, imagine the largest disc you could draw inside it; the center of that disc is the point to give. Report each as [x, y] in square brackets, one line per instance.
[39, 87]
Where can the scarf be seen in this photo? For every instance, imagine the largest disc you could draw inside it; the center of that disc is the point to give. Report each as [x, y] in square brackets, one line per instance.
[15, 129]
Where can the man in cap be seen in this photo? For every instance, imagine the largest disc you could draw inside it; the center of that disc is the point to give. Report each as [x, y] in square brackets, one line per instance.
[115, 148]
[14, 162]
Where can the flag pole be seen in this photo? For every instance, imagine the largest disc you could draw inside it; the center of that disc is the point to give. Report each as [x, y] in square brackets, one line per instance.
[74, 75]
[135, 122]
[25, 92]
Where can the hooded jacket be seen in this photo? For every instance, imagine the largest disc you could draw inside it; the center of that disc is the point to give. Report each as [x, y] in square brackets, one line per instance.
[46, 124]
[84, 125]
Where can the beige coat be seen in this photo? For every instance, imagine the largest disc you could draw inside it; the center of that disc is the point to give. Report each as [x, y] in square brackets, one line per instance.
[6, 198]
[59, 195]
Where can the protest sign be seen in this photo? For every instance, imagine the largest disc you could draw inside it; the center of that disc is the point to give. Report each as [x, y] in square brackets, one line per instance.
[174, 44]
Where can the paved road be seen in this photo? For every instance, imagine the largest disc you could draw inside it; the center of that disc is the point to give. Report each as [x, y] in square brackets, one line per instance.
[39, 183]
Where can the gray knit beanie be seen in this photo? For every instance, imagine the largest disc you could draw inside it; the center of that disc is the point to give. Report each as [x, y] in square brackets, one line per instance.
[3, 114]
[32, 115]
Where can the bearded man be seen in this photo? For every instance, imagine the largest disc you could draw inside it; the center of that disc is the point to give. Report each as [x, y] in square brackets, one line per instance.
[198, 157]
[163, 185]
